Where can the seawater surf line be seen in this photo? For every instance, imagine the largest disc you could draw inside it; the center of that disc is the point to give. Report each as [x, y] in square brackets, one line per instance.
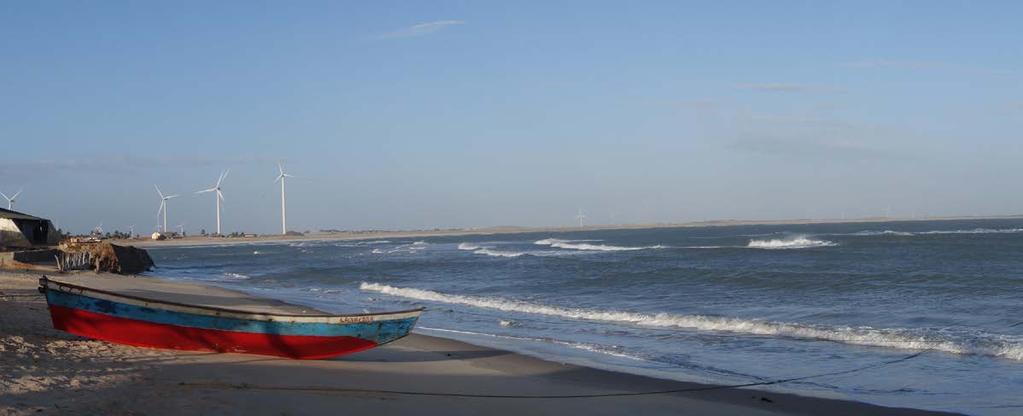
[582, 245]
[995, 345]
[343, 390]
[595, 348]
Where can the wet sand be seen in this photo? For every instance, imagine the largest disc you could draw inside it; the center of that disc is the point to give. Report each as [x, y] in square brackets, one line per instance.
[45, 371]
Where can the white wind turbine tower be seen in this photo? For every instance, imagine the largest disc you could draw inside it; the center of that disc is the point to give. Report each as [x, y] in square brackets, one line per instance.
[580, 216]
[219, 196]
[163, 207]
[10, 200]
[284, 207]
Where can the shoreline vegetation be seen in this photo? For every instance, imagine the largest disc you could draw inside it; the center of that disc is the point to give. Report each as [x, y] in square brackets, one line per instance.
[455, 232]
[46, 371]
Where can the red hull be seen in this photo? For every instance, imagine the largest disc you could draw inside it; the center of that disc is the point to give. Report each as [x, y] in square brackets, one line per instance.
[147, 334]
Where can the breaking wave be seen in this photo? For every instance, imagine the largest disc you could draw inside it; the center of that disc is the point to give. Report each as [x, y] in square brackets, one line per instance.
[937, 232]
[871, 233]
[498, 253]
[789, 243]
[489, 251]
[974, 343]
[551, 241]
[411, 248]
[584, 246]
[975, 231]
[468, 246]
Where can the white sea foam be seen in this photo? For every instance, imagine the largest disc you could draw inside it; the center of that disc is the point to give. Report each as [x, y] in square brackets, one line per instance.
[995, 345]
[593, 247]
[584, 246]
[236, 276]
[789, 243]
[489, 251]
[552, 241]
[498, 253]
[938, 232]
[976, 231]
[871, 233]
[602, 349]
[410, 248]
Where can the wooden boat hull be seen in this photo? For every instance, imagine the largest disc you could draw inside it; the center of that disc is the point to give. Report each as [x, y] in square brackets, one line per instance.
[157, 324]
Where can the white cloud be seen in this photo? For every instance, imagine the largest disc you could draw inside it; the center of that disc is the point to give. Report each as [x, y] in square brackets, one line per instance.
[421, 29]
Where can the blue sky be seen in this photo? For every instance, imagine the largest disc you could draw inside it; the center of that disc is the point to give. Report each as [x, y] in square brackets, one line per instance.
[441, 114]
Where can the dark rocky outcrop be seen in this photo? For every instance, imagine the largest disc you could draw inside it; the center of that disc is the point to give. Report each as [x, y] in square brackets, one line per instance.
[42, 256]
[106, 257]
[113, 258]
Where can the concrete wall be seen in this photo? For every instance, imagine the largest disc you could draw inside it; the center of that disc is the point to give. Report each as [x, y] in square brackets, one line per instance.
[36, 256]
[11, 236]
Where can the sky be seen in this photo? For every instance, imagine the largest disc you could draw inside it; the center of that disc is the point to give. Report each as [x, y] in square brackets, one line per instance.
[410, 115]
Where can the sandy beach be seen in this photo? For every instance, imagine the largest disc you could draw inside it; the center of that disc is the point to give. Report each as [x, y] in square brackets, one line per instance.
[45, 371]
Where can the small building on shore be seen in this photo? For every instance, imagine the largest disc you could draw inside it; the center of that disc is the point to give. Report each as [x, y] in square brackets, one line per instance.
[20, 231]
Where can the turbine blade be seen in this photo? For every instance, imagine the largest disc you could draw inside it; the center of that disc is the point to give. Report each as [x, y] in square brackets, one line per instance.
[170, 196]
[206, 190]
[222, 177]
[5, 196]
[280, 168]
[158, 191]
[16, 194]
[220, 195]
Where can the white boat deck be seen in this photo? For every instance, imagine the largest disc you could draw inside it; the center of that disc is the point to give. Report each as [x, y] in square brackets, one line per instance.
[181, 292]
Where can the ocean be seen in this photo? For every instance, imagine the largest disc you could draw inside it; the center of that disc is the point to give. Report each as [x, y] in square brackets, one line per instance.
[924, 314]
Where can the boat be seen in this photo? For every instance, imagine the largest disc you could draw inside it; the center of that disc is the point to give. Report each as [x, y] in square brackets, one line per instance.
[145, 322]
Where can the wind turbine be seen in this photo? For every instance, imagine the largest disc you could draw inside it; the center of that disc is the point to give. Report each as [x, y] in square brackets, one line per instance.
[284, 207]
[131, 231]
[10, 200]
[580, 216]
[163, 207]
[219, 197]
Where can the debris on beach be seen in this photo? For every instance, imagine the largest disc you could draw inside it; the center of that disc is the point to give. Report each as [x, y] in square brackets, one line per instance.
[106, 257]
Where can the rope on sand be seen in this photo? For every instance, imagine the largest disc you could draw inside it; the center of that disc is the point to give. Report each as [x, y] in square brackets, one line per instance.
[245, 386]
